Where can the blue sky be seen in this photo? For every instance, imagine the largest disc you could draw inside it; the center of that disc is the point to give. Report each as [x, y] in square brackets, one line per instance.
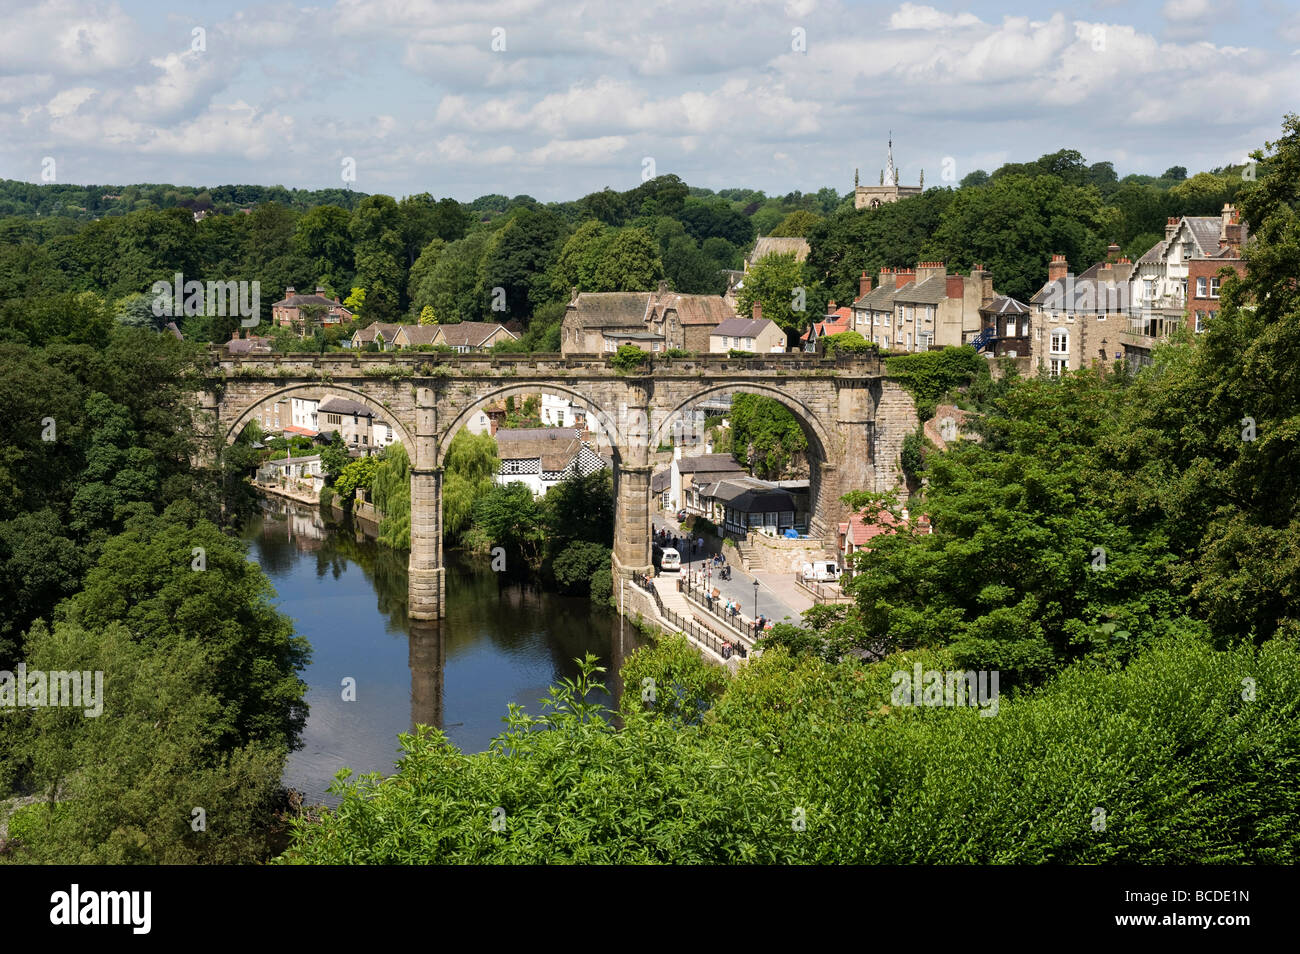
[770, 95]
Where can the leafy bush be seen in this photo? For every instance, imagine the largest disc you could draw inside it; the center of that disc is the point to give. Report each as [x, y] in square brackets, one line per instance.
[628, 358]
[848, 343]
[577, 563]
[1184, 769]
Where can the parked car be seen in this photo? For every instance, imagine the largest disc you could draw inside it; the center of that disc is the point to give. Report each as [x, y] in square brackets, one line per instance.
[824, 571]
[670, 561]
[681, 516]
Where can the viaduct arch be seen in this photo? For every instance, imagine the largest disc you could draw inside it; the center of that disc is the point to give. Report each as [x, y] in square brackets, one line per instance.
[855, 418]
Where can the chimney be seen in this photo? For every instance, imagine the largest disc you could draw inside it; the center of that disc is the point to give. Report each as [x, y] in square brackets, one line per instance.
[902, 277]
[830, 307]
[885, 276]
[1057, 268]
[1124, 260]
[758, 311]
[320, 290]
[864, 285]
[954, 287]
[927, 270]
[1112, 252]
[663, 287]
[1171, 226]
[289, 292]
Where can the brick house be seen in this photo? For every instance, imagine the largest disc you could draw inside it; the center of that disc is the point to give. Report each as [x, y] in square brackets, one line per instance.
[287, 312]
[922, 308]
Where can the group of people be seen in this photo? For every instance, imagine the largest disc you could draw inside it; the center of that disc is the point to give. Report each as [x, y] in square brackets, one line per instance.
[685, 546]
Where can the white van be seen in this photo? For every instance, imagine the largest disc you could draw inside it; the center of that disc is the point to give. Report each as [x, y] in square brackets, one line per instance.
[670, 561]
[825, 571]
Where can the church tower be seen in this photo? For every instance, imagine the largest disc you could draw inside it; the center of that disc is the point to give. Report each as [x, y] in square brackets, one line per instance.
[872, 197]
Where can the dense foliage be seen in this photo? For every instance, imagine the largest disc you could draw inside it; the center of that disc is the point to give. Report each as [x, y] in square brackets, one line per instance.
[802, 761]
[765, 435]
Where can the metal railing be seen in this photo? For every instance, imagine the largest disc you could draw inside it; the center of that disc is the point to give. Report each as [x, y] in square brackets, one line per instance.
[688, 626]
[699, 594]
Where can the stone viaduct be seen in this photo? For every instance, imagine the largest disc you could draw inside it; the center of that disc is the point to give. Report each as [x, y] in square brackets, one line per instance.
[854, 416]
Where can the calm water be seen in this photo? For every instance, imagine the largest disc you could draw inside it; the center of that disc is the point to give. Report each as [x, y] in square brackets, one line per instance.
[501, 642]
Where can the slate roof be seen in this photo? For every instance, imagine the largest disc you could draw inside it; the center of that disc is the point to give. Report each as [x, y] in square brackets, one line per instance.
[555, 447]
[1089, 289]
[294, 301]
[774, 245]
[367, 334]
[698, 309]
[878, 299]
[245, 345]
[1002, 305]
[708, 464]
[750, 495]
[471, 334]
[929, 292]
[659, 482]
[611, 309]
[338, 405]
[743, 327]
[420, 334]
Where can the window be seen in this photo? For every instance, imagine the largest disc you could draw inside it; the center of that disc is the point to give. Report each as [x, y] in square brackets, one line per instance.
[1011, 327]
[1200, 322]
[1200, 287]
[929, 312]
[1059, 366]
[875, 319]
[1060, 341]
[1214, 287]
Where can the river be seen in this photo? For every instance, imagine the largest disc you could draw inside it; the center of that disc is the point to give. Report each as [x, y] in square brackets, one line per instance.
[501, 642]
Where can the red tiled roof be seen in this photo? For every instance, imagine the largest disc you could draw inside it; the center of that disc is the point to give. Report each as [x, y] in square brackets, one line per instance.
[304, 431]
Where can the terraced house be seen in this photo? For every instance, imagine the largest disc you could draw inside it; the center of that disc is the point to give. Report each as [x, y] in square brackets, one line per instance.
[599, 322]
[922, 308]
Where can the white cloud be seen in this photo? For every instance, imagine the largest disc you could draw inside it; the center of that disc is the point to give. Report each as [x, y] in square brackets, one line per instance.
[912, 16]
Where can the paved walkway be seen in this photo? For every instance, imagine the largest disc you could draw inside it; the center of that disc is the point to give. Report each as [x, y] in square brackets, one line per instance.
[776, 601]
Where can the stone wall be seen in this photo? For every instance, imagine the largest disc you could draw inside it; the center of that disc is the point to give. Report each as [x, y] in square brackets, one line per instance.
[895, 418]
[779, 555]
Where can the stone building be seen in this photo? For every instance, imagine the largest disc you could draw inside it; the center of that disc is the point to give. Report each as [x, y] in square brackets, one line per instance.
[1078, 321]
[922, 308]
[600, 322]
[287, 312]
[873, 197]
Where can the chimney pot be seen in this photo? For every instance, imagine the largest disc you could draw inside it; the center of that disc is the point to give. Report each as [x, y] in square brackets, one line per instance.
[1057, 268]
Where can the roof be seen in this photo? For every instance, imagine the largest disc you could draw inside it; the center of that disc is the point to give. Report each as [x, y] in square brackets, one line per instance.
[367, 334]
[294, 301]
[1002, 305]
[834, 325]
[708, 464]
[611, 309]
[555, 447]
[421, 334]
[751, 495]
[294, 460]
[244, 345]
[304, 431]
[858, 531]
[698, 309]
[880, 298]
[338, 405]
[659, 482]
[635, 334]
[472, 334]
[775, 245]
[1084, 288]
[743, 327]
[929, 292]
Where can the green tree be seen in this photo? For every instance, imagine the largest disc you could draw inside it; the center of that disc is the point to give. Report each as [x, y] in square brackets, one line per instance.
[765, 434]
[780, 284]
[468, 472]
[630, 262]
[511, 518]
[797, 223]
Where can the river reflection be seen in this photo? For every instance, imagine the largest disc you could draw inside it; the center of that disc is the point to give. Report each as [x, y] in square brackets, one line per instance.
[501, 642]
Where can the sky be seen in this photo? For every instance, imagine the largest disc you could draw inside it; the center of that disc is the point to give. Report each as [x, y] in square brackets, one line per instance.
[556, 99]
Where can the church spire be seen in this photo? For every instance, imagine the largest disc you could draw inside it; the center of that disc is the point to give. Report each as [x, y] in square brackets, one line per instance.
[891, 174]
